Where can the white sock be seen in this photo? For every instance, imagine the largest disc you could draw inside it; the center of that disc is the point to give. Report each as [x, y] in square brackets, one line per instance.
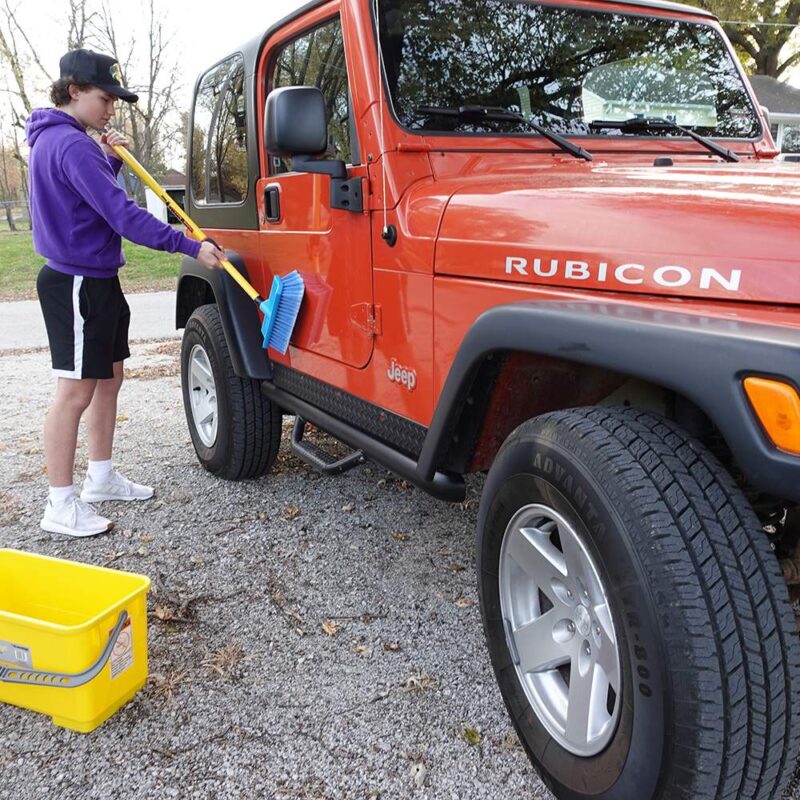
[99, 471]
[60, 494]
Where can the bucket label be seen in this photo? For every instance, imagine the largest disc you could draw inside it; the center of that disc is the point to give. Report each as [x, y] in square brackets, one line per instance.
[122, 654]
[16, 654]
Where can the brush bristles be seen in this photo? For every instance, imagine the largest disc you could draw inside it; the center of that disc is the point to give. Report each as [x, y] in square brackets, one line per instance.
[285, 313]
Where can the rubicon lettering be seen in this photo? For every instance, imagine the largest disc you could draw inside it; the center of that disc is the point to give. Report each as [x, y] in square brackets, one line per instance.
[670, 276]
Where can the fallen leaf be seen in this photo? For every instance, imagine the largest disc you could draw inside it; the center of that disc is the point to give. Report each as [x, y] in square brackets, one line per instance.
[330, 627]
[122, 418]
[419, 773]
[392, 647]
[464, 602]
[419, 682]
[471, 736]
[362, 650]
[348, 507]
[291, 512]
[400, 536]
[147, 537]
[456, 567]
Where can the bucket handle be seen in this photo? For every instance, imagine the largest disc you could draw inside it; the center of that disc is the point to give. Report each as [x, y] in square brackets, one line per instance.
[63, 680]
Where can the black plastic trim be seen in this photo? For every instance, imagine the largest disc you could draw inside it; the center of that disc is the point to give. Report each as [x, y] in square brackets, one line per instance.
[347, 194]
[703, 358]
[238, 312]
[444, 486]
[397, 431]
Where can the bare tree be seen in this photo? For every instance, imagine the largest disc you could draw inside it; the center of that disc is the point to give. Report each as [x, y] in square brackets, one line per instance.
[18, 54]
[153, 120]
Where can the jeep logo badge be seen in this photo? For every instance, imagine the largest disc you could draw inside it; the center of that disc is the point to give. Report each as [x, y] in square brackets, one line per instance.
[402, 375]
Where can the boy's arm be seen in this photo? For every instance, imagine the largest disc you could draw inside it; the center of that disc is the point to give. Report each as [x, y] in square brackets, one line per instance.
[92, 176]
[116, 163]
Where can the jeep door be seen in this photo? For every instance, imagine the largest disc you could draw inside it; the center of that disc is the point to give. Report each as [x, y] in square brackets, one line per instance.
[299, 227]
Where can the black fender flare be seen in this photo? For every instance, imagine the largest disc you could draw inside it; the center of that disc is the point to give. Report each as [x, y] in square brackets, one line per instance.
[704, 358]
[239, 314]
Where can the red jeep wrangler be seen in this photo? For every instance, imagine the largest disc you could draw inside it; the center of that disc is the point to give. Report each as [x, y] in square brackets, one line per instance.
[547, 240]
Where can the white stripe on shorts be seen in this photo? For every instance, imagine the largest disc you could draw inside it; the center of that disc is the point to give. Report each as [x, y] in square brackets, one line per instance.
[77, 333]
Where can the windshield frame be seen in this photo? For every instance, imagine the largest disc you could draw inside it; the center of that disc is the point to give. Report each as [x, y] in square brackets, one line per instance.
[654, 11]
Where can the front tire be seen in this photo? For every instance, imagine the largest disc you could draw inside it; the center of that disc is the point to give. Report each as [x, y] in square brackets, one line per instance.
[612, 528]
[235, 430]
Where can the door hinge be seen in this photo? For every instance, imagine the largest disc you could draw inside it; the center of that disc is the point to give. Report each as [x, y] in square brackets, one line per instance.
[367, 318]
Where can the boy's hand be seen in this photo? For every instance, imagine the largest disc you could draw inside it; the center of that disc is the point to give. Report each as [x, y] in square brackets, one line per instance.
[210, 256]
[112, 137]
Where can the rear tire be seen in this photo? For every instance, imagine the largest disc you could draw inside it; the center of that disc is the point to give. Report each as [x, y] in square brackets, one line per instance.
[235, 430]
[705, 635]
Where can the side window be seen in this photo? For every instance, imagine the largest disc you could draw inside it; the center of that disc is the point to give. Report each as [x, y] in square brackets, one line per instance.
[219, 136]
[317, 59]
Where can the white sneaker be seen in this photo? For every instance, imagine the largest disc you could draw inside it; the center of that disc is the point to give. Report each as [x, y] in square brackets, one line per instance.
[73, 518]
[115, 487]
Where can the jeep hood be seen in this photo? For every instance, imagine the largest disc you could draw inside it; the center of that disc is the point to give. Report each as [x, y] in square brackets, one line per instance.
[729, 232]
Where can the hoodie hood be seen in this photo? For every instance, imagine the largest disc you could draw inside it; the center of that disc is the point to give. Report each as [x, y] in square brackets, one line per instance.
[42, 118]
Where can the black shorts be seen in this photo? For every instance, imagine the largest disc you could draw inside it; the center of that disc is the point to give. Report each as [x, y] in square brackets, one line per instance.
[87, 323]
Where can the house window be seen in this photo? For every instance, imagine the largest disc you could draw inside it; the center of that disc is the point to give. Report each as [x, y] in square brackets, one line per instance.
[219, 136]
[791, 139]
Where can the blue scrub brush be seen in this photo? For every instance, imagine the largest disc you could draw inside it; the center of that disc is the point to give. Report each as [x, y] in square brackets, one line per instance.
[280, 311]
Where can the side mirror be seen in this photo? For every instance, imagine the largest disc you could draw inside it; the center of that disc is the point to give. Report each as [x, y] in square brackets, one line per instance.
[296, 125]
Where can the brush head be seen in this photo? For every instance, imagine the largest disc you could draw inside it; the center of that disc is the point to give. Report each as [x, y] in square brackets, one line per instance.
[280, 311]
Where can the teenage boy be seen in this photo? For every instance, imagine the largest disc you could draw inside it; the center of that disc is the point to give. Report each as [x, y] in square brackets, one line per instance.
[79, 215]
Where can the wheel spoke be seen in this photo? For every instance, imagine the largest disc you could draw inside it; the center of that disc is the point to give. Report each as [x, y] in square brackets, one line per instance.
[574, 557]
[585, 691]
[205, 371]
[207, 418]
[533, 552]
[537, 648]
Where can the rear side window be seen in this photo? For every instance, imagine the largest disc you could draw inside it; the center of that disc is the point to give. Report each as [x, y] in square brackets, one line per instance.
[219, 136]
[317, 59]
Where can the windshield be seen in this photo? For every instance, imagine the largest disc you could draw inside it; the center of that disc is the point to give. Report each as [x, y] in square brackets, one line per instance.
[563, 68]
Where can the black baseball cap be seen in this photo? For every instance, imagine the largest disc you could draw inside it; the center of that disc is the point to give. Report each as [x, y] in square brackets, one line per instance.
[85, 66]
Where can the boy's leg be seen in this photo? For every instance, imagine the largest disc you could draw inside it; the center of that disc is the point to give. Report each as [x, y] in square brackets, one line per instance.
[101, 416]
[64, 513]
[102, 482]
[71, 399]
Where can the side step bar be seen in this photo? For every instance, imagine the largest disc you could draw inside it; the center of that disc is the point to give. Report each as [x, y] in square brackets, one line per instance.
[315, 456]
[443, 485]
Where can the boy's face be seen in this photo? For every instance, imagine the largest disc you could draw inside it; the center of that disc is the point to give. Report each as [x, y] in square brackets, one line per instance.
[93, 108]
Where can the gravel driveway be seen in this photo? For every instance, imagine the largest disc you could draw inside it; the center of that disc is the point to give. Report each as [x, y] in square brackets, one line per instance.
[310, 637]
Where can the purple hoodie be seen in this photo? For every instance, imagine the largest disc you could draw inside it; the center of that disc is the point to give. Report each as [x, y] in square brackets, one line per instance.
[79, 212]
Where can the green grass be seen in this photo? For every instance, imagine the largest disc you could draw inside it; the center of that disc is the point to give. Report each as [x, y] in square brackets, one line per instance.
[145, 271]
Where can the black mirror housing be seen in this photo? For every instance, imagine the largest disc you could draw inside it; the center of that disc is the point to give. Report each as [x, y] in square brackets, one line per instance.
[295, 122]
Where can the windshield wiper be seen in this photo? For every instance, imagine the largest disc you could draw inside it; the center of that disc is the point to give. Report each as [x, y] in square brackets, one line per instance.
[502, 114]
[645, 124]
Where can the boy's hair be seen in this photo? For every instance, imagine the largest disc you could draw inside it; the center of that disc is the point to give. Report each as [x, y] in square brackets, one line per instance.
[59, 91]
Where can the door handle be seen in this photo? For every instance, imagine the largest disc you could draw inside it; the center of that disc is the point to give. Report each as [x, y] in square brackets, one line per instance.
[272, 203]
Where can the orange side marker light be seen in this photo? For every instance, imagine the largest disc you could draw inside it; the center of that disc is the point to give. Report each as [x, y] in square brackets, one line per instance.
[777, 406]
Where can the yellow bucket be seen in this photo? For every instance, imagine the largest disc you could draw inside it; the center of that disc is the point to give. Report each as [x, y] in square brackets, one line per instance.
[73, 638]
